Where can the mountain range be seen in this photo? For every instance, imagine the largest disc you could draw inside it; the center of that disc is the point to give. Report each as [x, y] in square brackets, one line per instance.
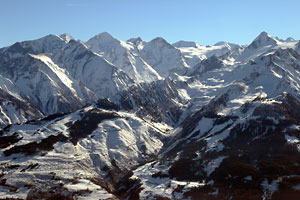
[112, 119]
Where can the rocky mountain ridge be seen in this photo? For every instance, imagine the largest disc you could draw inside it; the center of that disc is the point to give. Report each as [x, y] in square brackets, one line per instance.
[150, 120]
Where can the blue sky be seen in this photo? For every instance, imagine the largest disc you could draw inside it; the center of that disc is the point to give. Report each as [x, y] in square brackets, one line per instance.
[203, 21]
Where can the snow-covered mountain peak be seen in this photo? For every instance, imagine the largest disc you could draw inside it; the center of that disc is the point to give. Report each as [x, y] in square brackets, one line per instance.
[264, 43]
[194, 53]
[45, 44]
[183, 43]
[102, 42]
[104, 36]
[290, 39]
[77, 45]
[263, 39]
[158, 42]
[124, 55]
[158, 39]
[48, 39]
[135, 40]
[163, 57]
[66, 37]
[221, 43]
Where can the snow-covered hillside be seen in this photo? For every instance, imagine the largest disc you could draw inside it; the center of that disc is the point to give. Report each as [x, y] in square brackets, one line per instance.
[143, 61]
[100, 146]
[57, 74]
[239, 133]
[124, 55]
[136, 119]
[194, 53]
[163, 57]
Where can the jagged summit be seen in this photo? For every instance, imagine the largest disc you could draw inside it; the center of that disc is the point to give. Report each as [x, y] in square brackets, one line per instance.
[183, 43]
[104, 36]
[102, 41]
[263, 39]
[124, 55]
[135, 40]
[159, 40]
[221, 43]
[290, 39]
[46, 40]
[66, 37]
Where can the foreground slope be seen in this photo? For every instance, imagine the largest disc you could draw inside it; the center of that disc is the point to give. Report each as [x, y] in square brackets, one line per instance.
[101, 143]
[100, 146]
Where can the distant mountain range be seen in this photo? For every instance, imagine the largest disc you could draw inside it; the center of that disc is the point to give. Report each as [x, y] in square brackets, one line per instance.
[112, 119]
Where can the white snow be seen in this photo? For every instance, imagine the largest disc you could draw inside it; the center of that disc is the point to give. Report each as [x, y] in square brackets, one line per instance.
[204, 125]
[97, 192]
[64, 70]
[293, 140]
[61, 73]
[213, 164]
[271, 187]
[215, 142]
[20, 193]
[124, 55]
[127, 139]
[215, 192]
[195, 53]
[163, 187]
[248, 178]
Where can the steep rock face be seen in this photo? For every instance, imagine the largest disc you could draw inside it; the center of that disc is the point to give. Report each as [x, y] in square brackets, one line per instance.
[29, 68]
[159, 101]
[143, 61]
[40, 83]
[263, 39]
[59, 74]
[298, 47]
[209, 64]
[102, 78]
[15, 109]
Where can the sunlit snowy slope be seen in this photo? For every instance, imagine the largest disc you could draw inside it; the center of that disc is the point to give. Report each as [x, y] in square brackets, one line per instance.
[112, 119]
